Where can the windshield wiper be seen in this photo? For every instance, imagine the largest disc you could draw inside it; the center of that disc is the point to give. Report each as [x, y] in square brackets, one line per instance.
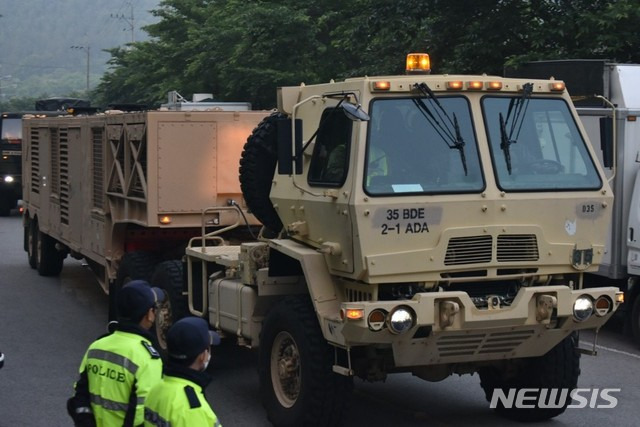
[518, 107]
[451, 137]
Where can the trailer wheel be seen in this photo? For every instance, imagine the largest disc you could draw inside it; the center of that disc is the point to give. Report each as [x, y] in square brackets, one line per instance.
[559, 369]
[297, 384]
[257, 166]
[137, 265]
[635, 319]
[32, 242]
[168, 277]
[49, 260]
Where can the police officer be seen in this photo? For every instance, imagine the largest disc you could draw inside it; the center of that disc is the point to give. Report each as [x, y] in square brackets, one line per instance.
[119, 369]
[179, 399]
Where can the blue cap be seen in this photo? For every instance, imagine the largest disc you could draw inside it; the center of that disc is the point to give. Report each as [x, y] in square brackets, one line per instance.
[136, 298]
[189, 337]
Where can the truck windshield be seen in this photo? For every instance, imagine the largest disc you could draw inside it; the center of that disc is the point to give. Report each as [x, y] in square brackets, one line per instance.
[549, 152]
[11, 130]
[407, 152]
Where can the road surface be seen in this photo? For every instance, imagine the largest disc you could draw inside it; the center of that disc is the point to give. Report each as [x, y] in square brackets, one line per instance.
[46, 325]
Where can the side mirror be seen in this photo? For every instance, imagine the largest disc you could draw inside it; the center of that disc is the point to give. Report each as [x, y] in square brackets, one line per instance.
[355, 112]
[606, 141]
[286, 157]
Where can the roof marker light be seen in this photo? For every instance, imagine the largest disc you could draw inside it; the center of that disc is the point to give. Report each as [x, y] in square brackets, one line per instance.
[474, 85]
[382, 85]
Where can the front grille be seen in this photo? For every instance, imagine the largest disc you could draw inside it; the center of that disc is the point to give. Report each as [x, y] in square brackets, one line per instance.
[517, 247]
[491, 343]
[479, 249]
[468, 250]
[354, 295]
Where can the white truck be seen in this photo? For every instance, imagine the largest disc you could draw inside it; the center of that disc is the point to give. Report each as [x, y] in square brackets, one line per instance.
[607, 99]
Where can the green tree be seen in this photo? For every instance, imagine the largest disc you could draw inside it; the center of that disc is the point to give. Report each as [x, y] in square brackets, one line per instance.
[242, 50]
[258, 46]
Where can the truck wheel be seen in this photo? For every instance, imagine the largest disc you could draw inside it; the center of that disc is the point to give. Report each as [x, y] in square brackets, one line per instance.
[32, 242]
[559, 369]
[168, 277]
[49, 260]
[136, 265]
[257, 166]
[635, 319]
[297, 384]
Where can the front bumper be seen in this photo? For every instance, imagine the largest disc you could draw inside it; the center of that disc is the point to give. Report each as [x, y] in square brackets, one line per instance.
[449, 328]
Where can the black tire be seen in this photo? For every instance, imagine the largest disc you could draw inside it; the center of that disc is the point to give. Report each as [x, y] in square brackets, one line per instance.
[168, 277]
[311, 394]
[558, 369]
[257, 166]
[137, 265]
[49, 260]
[32, 242]
[635, 319]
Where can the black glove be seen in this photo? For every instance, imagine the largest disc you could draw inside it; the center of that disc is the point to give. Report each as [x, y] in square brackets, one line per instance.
[82, 416]
[84, 420]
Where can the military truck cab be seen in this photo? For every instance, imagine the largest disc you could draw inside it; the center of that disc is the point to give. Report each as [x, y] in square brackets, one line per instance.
[432, 224]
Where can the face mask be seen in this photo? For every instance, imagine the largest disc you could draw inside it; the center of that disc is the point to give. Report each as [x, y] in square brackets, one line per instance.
[207, 362]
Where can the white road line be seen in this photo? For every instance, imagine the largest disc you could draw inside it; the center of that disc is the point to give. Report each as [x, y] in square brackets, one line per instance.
[613, 350]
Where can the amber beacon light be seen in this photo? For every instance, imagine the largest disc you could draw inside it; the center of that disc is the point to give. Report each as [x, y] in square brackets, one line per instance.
[418, 63]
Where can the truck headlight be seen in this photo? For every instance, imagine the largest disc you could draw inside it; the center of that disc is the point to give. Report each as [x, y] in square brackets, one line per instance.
[401, 319]
[8, 179]
[582, 308]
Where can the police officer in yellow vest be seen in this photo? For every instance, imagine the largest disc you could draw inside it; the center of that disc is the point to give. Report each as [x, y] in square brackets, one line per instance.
[119, 369]
[179, 400]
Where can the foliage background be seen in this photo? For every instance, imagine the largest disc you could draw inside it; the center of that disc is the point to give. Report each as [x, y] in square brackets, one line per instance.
[241, 50]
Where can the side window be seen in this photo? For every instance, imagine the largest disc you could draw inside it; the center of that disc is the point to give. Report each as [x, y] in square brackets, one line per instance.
[330, 158]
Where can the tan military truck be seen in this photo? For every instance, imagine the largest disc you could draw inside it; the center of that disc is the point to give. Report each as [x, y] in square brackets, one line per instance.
[125, 190]
[432, 224]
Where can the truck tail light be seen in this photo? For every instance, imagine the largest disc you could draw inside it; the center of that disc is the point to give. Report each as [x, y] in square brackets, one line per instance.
[377, 319]
[602, 306]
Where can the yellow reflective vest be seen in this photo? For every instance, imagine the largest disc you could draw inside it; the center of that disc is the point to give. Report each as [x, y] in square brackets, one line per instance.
[120, 368]
[179, 401]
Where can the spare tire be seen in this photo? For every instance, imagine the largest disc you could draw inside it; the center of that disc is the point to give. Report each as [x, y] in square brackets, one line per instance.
[257, 166]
